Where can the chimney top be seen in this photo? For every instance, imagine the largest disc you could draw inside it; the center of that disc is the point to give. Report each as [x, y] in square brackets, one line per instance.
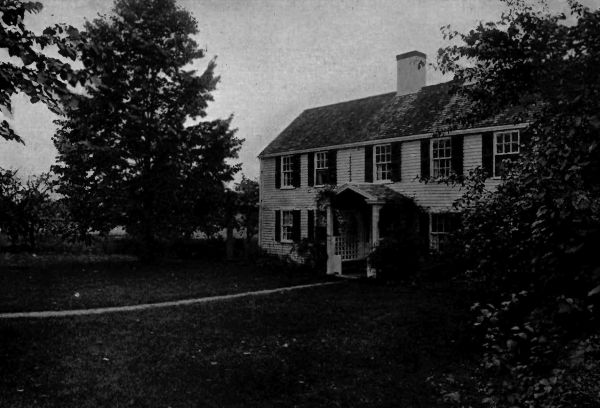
[410, 54]
[411, 72]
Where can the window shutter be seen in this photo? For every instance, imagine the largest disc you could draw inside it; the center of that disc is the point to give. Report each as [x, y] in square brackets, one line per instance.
[368, 164]
[296, 168]
[397, 161]
[278, 226]
[525, 140]
[311, 225]
[332, 163]
[424, 228]
[278, 172]
[487, 153]
[296, 226]
[425, 158]
[321, 228]
[457, 154]
[311, 169]
[455, 221]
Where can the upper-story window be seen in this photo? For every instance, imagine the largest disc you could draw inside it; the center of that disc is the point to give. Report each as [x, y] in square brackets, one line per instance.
[441, 157]
[287, 171]
[506, 146]
[321, 168]
[383, 162]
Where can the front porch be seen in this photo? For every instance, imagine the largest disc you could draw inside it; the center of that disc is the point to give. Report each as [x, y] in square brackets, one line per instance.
[353, 227]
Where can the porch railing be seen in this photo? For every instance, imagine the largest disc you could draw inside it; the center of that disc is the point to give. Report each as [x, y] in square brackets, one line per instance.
[349, 248]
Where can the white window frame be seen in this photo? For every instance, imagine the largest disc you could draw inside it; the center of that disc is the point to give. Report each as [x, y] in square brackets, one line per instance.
[387, 162]
[436, 236]
[446, 159]
[287, 171]
[287, 229]
[510, 144]
[321, 164]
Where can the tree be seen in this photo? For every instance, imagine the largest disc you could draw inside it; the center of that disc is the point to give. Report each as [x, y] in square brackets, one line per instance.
[239, 211]
[532, 242]
[247, 192]
[127, 155]
[40, 77]
[26, 209]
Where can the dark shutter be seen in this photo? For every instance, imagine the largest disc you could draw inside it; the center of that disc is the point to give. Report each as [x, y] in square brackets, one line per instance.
[425, 158]
[368, 164]
[457, 154]
[311, 169]
[455, 221]
[296, 170]
[278, 172]
[397, 161]
[278, 226]
[424, 229]
[487, 153]
[311, 225]
[296, 226]
[321, 226]
[332, 170]
[525, 140]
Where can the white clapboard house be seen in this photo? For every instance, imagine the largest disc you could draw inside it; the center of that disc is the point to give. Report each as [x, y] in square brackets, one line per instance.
[372, 149]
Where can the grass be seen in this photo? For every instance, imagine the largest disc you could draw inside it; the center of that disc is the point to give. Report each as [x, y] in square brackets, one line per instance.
[100, 282]
[349, 345]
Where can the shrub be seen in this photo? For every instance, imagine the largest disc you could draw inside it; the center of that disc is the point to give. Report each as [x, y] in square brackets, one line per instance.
[396, 259]
[313, 253]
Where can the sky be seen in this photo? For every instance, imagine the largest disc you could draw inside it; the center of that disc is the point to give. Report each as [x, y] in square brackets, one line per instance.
[275, 59]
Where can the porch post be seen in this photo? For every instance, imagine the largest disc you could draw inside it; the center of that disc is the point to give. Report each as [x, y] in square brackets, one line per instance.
[374, 234]
[333, 261]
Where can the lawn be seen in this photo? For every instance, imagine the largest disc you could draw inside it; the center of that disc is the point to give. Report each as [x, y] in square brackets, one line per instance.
[348, 345]
[34, 285]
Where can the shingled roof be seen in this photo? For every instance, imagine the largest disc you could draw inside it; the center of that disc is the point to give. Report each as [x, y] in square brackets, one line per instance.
[375, 118]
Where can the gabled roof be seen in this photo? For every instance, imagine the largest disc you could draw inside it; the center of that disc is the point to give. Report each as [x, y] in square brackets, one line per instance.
[375, 118]
[371, 192]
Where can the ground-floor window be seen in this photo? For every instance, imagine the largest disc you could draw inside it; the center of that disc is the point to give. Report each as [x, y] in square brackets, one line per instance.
[442, 225]
[287, 226]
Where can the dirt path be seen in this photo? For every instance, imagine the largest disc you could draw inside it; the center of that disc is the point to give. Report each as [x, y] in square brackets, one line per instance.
[132, 308]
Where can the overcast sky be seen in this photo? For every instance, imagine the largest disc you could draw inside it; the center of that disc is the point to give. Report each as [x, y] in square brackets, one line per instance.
[275, 58]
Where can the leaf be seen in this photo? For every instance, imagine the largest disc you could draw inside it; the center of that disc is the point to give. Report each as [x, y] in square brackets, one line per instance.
[594, 291]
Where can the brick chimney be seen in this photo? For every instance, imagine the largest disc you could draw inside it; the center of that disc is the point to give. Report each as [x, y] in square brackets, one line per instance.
[411, 72]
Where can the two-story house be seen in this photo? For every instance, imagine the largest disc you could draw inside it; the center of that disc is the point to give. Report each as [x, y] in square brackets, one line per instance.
[372, 149]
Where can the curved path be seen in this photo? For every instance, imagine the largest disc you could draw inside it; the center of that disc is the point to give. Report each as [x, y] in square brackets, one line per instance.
[144, 306]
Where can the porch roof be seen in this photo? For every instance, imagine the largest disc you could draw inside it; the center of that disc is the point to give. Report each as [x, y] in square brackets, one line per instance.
[373, 193]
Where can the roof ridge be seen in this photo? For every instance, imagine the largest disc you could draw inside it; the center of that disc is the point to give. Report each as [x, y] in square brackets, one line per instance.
[350, 100]
[373, 96]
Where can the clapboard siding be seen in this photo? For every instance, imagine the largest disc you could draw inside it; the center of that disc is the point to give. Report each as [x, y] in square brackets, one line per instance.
[350, 169]
[472, 152]
[301, 198]
[351, 166]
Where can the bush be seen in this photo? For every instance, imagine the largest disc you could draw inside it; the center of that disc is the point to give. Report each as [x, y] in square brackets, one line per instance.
[396, 259]
[314, 254]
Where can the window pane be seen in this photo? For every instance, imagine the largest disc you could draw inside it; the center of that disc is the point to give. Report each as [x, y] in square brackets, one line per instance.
[321, 177]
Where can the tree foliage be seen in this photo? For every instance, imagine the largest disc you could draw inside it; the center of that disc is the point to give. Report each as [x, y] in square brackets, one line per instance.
[533, 241]
[246, 204]
[41, 77]
[130, 153]
[27, 209]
